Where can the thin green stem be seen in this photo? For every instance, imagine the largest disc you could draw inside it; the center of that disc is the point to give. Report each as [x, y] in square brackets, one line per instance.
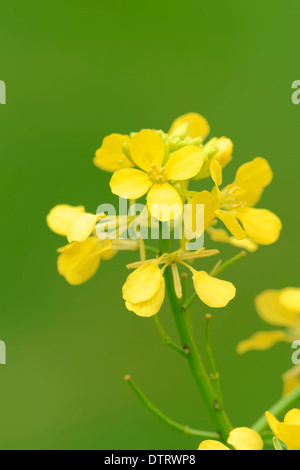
[184, 278]
[166, 339]
[168, 421]
[151, 249]
[216, 272]
[278, 409]
[214, 374]
[199, 372]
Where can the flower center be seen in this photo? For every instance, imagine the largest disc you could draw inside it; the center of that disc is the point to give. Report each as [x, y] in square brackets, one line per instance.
[156, 174]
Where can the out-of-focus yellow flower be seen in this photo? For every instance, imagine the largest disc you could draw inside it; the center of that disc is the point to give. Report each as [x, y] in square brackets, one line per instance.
[288, 431]
[111, 155]
[197, 125]
[278, 308]
[239, 439]
[148, 152]
[79, 260]
[220, 235]
[144, 289]
[237, 201]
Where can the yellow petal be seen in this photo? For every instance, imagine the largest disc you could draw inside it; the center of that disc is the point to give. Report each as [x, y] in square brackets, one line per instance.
[212, 291]
[79, 261]
[211, 205]
[271, 310]
[262, 340]
[216, 172]
[130, 183]
[232, 224]
[290, 298]
[291, 380]
[147, 148]
[245, 439]
[81, 227]
[251, 179]
[285, 432]
[164, 202]
[261, 225]
[142, 284]
[198, 125]
[220, 235]
[293, 417]
[212, 445]
[110, 156]
[184, 163]
[60, 216]
[223, 148]
[149, 307]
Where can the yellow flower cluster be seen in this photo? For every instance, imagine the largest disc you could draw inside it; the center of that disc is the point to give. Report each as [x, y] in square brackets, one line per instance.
[160, 166]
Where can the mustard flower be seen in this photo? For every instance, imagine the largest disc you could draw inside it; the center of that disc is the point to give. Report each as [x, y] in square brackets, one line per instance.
[239, 439]
[288, 431]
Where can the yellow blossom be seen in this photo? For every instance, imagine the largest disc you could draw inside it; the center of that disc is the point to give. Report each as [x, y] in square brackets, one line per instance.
[288, 431]
[237, 200]
[148, 152]
[111, 156]
[144, 289]
[197, 125]
[239, 439]
[218, 149]
[278, 308]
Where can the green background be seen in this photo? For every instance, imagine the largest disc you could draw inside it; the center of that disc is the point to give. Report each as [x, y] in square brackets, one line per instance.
[75, 72]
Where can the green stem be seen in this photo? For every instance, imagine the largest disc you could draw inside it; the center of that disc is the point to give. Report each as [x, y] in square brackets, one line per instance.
[215, 376]
[279, 409]
[166, 339]
[216, 272]
[196, 364]
[170, 422]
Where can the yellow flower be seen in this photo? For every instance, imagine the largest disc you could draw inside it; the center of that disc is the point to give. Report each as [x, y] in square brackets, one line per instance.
[144, 289]
[237, 201]
[197, 125]
[79, 260]
[148, 153]
[111, 156]
[288, 431]
[278, 308]
[219, 149]
[239, 439]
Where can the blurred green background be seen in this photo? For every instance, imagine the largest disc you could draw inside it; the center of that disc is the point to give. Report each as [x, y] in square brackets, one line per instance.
[75, 72]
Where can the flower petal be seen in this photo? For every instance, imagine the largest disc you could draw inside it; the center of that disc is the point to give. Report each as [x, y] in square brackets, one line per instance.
[198, 125]
[130, 183]
[290, 298]
[146, 149]
[212, 445]
[293, 417]
[285, 432]
[60, 216]
[149, 307]
[220, 235]
[110, 156]
[245, 439]
[232, 224]
[81, 227]
[251, 179]
[184, 163]
[262, 340]
[291, 380]
[143, 283]
[212, 291]
[164, 202]
[211, 205]
[273, 311]
[261, 225]
[79, 261]
[216, 172]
